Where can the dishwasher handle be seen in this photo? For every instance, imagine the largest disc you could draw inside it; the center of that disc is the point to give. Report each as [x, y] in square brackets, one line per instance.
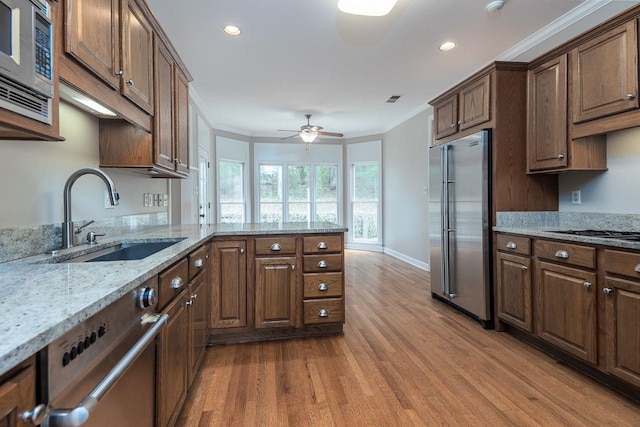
[79, 415]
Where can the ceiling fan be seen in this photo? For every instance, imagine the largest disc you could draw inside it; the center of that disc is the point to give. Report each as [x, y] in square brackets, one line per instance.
[309, 132]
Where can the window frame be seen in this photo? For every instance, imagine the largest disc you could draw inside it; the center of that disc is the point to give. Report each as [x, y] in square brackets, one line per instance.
[243, 173]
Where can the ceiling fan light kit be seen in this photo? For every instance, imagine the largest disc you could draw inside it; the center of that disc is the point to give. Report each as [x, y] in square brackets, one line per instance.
[367, 7]
[308, 133]
[308, 136]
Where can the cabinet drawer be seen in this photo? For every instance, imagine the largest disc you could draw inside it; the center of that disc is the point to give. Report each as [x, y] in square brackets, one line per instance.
[276, 245]
[514, 244]
[198, 261]
[321, 263]
[582, 256]
[322, 285]
[324, 311]
[171, 282]
[625, 263]
[322, 244]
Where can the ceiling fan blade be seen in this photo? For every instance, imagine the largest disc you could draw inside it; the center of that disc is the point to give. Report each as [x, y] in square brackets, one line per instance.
[290, 136]
[339, 135]
[287, 130]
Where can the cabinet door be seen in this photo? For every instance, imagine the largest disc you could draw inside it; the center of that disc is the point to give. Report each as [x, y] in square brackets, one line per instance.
[604, 74]
[514, 290]
[622, 313]
[92, 36]
[164, 114]
[198, 320]
[475, 103]
[172, 363]
[229, 284]
[181, 121]
[567, 309]
[446, 117]
[547, 123]
[276, 291]
[137, 56]
[17, 395]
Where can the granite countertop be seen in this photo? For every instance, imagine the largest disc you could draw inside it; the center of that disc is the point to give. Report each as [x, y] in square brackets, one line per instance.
[41, 299]
[552, 233]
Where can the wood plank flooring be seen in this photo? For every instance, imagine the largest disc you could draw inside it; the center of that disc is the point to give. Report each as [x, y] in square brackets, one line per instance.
[404, 360]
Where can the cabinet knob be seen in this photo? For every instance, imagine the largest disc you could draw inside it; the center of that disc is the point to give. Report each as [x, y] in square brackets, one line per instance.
[607, 290]
[587, 285]
[525, 268]
[293, 266]
[322, 245]
[275, 247]
[322, 264]
[560, 156]
[323, 313]
[241, 250]
[562, 254]
[198, 263]
[130, 82]
[322, 287]
[630, 96]
[176, 283]
[188, 303]
[453, 125]
[637, 268]
[511, 245]
[119, 73]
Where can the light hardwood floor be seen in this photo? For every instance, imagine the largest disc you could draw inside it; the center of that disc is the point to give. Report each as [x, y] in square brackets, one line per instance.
[404, 360]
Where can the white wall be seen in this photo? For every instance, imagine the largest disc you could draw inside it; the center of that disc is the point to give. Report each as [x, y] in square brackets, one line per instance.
[33, 174]
[616, 190]
[405, 183]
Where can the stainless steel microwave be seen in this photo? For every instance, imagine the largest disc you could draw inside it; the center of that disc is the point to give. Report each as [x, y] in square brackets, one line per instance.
[26, 58]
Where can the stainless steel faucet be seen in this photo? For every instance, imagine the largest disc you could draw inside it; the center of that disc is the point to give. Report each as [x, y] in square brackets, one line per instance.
[67, 225]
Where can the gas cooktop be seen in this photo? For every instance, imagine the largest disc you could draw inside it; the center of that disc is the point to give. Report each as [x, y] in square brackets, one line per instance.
[604, 234]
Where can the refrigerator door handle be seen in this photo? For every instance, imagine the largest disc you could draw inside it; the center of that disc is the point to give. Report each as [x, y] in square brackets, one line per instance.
[444, 200]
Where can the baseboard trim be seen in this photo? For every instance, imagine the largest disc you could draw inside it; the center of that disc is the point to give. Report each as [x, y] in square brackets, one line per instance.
[416, 263]
[364, 247]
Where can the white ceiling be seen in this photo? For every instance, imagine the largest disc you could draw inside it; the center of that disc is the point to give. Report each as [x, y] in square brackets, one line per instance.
[305, 56]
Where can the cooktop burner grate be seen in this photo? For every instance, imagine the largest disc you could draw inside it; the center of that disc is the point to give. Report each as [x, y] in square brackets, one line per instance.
[606, 234]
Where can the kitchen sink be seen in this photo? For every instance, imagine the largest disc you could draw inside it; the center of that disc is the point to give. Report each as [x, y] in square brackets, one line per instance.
[124, 252]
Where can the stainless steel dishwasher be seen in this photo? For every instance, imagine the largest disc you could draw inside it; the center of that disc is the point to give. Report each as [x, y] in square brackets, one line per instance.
[102, 372]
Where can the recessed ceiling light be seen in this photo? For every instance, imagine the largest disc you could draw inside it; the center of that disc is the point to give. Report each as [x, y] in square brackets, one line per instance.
[232, 30]
[495, 6]
[447, 46]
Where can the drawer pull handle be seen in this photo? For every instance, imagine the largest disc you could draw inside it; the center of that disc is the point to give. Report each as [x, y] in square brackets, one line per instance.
[511, 245]
[323, 264]
[524, 268]
[607, 290]
[637, 269]
[322, 245]
[275, 247]
[323, 313]
[562, 254]
[587, 285]
[176, 283]
[322, 287]
[198, 263]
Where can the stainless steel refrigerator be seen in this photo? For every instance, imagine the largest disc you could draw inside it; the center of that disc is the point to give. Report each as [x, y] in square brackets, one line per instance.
[459, 224]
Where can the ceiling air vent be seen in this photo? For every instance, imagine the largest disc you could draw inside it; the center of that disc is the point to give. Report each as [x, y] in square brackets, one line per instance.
[393, 99]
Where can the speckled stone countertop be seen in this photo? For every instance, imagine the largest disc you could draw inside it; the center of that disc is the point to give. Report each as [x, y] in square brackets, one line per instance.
[551, 233]
[41, 298]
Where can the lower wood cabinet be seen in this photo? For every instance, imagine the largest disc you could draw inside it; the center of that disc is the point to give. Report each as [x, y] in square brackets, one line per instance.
[17, 395]
[514, 296]
[198, 314]
[276, 292]
[229, 284]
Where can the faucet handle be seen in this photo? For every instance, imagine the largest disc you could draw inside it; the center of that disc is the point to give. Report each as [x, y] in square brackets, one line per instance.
[79, 229]
[91, 237]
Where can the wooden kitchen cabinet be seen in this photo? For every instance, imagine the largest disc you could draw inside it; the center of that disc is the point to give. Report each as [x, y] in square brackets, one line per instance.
[229, 284]
[172, 363]
[198, 314]
[181, 114]
[604, 74]
[566, 297]
[622, 315]
[17, 394]
[276, 289]
[469, 107]
[137, 56]
[514, 291]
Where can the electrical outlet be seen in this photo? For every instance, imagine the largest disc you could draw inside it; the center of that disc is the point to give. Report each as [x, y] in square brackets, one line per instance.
[146, 200]
[107, 201]
[165, 200]
[156, 200]
[576, 197]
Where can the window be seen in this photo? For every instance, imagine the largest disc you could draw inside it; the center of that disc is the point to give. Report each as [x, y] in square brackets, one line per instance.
[299, 193]
[231, 188]
[326, 193]
[365, 202]
[271, 199]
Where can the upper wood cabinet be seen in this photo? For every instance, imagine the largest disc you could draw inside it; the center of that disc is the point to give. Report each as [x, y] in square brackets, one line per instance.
[137, 56]
[465, 109]
[181, 121]
[604, 74]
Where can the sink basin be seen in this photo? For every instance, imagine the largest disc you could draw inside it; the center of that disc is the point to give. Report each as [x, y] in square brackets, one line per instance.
[124, 252]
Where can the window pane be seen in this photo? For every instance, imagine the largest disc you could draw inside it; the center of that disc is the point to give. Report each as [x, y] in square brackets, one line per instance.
[327, 212]
[299, 212]
[231, 185]
[270, 212]
[365, 179]
[231, 212]
[327, 183]
[365, 221]
[299, 184]
[270, 183]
